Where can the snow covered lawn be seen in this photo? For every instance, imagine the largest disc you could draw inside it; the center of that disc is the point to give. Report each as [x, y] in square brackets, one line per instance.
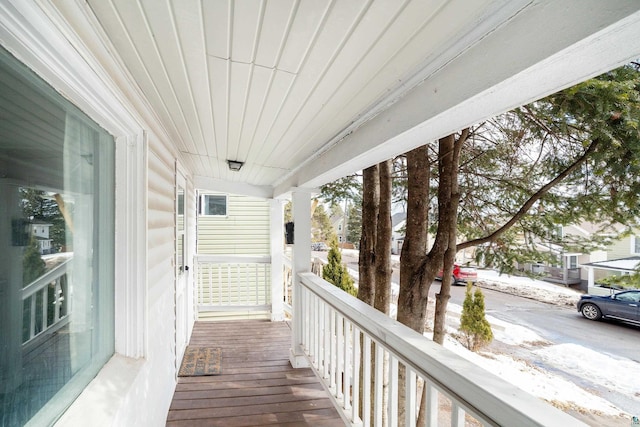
[603, 370]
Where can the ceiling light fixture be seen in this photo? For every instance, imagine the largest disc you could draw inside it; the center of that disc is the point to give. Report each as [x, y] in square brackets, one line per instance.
[235, 165]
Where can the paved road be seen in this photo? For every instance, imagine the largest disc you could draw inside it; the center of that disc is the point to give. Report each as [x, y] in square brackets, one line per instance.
[554, 323]
[558, 324]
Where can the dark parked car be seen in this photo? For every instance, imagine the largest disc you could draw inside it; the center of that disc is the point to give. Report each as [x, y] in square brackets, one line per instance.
[461, 275]
[623, 306]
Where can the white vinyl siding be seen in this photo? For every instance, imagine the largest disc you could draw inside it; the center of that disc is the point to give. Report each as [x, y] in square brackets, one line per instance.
[161, 278]
[620, 248]
[244, 231]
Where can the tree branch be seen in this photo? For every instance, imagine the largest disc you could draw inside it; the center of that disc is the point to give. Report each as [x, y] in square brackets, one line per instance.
[534, 198]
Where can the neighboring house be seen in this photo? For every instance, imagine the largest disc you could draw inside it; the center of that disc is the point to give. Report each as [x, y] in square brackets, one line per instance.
[40, 231]
[125, 111]
[566, 270]
[398, 223]
[620, 258]
[600, 269]
[625, 247]
[569, 268]
[339, 224]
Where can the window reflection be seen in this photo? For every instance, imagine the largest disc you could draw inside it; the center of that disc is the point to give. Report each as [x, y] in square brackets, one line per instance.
[56, 241]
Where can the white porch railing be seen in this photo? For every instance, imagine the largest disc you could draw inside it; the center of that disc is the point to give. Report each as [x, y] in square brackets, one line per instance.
[333, 325]
[233, 282]
[45, 304]
[287, 283]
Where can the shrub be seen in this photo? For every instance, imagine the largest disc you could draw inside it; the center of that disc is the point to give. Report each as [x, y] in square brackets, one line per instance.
[474, 326]
[336, 272]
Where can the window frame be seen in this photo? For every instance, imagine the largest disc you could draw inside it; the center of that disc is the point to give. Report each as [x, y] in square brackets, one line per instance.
[36, 39]
[202, 204]
[635, 245]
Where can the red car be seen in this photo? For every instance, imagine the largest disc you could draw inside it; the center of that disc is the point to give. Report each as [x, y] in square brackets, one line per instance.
[461, 275]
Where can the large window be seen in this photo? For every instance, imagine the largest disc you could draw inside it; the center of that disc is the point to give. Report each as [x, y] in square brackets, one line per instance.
[57, 246]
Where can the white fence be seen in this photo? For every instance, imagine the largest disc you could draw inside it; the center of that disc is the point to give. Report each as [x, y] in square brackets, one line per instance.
[341, 336]
[45, 303]
[233, 282]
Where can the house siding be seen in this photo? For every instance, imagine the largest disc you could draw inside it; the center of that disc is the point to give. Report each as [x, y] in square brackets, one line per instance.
[620, 249]
[244, 231]
[160, 274]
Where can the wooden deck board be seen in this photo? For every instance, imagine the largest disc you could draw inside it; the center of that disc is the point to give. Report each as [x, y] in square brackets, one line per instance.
[257, 387]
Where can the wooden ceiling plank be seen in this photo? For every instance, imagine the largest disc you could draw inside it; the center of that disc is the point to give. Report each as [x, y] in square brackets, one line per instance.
[241, 75]
[191, 35]
[307, 23]
[261, 79]
[247, 19]
[162, 23]
[118, 18]
[217, 23]
[278, 90]
[276, 24]
[337, 29]
[218, 76]
[414, 30]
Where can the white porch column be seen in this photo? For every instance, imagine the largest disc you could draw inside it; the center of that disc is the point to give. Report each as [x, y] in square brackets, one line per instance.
[590, 278]
[301, 263]
[276, 208]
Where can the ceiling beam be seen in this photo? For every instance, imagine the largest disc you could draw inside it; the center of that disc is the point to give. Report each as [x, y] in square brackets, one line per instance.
[537, 53]
[205, 184]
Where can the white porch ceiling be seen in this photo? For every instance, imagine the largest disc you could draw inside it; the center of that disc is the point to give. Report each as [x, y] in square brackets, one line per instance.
[306, 91]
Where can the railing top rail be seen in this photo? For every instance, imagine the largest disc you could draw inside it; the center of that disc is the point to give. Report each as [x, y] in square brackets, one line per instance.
[44, 280]
[233, 259]
[485, 393]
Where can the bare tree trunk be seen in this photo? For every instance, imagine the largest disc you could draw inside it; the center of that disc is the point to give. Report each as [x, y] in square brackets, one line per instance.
[448, 199]
[383, 241]
[383, 266]
[367, 257]
[417, 270]
[412, 299]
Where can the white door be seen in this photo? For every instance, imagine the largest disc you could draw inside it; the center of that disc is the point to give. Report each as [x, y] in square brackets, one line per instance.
[182, 269]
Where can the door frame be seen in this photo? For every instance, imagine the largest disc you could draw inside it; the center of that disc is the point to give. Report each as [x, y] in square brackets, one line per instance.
[181, 282]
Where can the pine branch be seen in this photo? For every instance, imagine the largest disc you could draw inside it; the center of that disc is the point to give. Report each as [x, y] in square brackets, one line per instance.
[534, 198]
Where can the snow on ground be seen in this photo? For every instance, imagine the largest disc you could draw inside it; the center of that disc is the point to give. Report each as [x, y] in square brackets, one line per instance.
[609, 372]
[536, 381]
[601, 369]
[528, 288]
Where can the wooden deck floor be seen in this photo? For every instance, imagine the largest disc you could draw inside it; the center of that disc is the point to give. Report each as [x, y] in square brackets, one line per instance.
[257, 387]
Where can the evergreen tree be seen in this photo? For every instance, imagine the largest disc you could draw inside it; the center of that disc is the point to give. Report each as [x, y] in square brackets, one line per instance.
[336, 272]
[32, 264]
[473, 323]
[321, 227]
[354, 222]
